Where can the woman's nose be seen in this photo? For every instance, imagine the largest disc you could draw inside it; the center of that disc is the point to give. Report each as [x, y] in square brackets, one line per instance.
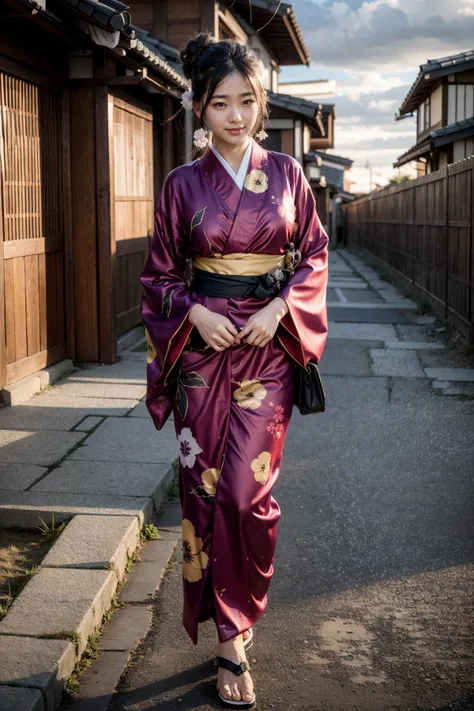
[235, 115]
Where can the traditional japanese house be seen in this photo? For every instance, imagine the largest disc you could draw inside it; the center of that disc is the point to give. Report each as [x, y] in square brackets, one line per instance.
[442, 98]
[84, 148]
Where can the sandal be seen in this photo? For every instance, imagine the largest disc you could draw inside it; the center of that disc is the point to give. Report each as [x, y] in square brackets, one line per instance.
[249, 641]
[236, 669]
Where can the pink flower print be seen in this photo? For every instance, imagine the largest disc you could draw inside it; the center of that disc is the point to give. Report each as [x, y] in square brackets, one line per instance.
[278, 416]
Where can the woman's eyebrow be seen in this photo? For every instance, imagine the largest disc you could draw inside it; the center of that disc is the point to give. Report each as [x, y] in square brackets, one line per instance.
[226, 96]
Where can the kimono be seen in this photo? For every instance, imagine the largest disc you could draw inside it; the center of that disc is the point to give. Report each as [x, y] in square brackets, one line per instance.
[231, 408]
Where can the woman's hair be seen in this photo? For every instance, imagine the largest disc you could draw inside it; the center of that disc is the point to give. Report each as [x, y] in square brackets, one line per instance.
[207, 62]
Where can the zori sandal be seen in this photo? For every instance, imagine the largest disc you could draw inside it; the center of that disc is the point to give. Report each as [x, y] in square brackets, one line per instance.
[236, 669]
[249, 641]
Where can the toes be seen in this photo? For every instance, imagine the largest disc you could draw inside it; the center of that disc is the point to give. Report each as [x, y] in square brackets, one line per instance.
[236, 693]
[226, 692]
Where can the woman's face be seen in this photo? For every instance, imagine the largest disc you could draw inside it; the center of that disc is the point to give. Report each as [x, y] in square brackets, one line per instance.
[233, 110]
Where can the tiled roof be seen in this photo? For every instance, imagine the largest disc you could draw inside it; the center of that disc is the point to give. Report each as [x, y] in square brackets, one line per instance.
[331, 157]
[431, 73]
[441, 137]
[113, 16]
[109, 14]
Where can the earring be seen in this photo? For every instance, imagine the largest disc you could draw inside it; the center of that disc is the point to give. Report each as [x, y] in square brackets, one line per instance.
[201, 138]
[261, 135]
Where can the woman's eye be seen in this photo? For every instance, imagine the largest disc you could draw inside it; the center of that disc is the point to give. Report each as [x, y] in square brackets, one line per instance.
[249, 101]
[219, 104]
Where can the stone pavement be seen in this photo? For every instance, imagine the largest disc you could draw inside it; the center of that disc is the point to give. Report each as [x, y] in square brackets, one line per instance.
[86, 451]
[87, 448]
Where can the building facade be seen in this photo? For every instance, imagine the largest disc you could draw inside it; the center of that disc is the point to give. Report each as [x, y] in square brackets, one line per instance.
[442, 99]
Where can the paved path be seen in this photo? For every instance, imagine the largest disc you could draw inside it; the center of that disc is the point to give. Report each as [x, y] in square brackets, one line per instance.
[370, 606]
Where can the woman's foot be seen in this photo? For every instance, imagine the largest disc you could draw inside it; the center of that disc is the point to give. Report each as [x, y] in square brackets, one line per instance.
[236, 688]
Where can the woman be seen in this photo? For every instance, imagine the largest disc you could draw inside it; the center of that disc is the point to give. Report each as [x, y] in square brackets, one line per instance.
[227, 345]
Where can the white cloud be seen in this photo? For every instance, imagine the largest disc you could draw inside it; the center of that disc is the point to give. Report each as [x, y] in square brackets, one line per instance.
[366, 82]
[383, 105]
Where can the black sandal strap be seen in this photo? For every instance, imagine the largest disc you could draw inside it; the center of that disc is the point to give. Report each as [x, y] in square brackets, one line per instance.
[237, 669]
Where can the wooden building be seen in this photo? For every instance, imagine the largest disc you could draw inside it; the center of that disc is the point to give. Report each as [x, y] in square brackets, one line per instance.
[442, 98]
[83, 152]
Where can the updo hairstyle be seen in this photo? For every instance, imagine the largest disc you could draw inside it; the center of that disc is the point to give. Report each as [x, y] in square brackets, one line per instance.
[207, 62]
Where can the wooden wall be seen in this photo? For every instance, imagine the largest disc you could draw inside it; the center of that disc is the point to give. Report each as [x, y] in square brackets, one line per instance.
[175, 21]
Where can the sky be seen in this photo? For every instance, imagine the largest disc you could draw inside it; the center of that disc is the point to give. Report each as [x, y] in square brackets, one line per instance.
[373, 51]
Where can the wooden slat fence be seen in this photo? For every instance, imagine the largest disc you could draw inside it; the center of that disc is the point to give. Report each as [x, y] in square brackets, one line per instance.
[422, 231]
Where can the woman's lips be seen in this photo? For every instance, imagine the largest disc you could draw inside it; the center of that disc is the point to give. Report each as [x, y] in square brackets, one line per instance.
[234, 130]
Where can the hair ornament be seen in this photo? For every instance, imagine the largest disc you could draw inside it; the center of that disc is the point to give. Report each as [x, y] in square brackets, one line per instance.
[187, 100]
[261, 135]
[201, 138]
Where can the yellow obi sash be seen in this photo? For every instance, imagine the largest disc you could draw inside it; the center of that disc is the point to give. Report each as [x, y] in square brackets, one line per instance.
[239, 263]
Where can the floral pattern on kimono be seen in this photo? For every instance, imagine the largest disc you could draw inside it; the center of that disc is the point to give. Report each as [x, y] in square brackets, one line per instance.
[231, 408]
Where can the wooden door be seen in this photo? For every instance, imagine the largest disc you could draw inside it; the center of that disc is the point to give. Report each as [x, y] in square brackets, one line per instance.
[31, 229]
[134, 202]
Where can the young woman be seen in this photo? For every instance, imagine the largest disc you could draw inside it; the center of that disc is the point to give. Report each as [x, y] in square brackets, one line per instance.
[226, 344]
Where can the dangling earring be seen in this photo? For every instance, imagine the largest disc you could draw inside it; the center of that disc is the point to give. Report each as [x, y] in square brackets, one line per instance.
[201, 139]
[261, 135]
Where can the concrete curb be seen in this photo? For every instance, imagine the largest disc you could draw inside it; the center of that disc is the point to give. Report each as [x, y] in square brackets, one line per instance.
[63, 604]
[23, 389]
[130, 624]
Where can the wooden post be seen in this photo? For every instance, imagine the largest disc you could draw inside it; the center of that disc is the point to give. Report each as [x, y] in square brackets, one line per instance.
[3, 349]
[67, 217]
[104, 136]
[471, 331]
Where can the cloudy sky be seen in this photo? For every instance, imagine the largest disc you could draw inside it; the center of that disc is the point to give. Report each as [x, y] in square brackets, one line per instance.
[373, 49]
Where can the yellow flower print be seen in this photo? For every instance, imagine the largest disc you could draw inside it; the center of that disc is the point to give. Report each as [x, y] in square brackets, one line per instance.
[209, 481]
[250, 394]
[194, 558]
[287, 208]
[256, 181]
[261, 467]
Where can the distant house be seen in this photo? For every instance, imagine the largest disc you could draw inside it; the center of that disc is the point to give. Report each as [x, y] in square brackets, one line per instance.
[442, 97]
[326, 173]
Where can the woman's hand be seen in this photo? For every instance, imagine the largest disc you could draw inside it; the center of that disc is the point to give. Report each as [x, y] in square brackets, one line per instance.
[262, 326]
[216, 330]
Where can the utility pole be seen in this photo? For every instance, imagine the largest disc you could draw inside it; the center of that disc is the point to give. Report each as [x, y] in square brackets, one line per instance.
[369, 167]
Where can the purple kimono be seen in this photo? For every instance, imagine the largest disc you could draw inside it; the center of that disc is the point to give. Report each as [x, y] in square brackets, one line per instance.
[231, 408]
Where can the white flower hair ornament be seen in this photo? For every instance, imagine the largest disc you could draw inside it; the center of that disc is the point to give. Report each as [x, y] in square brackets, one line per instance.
[187, 100]
[261, 135]
[200, 138]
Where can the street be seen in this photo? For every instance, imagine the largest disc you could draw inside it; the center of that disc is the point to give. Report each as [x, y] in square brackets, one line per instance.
[370, 606]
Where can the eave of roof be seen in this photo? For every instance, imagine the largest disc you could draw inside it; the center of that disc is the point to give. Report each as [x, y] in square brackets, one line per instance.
[441, 137]
[431, 74]
[331, 157]
[278, 26]
[310, 109]
[155, 59]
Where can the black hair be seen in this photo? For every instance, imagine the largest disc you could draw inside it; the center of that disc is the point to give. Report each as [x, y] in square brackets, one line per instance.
[207, 62]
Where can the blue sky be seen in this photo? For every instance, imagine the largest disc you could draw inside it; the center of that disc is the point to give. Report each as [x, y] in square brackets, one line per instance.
[373, 50]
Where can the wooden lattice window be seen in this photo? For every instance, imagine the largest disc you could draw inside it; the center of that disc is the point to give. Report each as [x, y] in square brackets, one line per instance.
[30, 133]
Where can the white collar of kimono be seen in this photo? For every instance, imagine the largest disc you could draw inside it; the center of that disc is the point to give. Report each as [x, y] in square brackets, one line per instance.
[239, 177]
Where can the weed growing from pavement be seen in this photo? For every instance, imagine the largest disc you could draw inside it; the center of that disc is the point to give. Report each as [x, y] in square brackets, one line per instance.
[91, 652]
[149, 532]
[52, 529]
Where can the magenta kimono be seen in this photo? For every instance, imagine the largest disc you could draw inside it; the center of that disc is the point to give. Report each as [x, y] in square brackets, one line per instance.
[231, 408]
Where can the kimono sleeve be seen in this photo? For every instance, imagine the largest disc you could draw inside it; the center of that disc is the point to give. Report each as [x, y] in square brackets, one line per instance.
[303, 330]
[166, 302]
